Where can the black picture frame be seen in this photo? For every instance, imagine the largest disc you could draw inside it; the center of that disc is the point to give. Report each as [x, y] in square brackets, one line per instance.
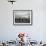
[22, 17]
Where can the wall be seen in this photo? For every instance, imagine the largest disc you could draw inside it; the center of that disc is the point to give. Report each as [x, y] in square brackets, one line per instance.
[38, 29]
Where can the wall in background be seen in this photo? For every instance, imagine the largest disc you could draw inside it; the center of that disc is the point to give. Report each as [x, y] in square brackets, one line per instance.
[38, 29]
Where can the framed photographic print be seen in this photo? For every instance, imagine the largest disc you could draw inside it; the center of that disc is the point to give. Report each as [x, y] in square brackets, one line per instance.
[22, 17]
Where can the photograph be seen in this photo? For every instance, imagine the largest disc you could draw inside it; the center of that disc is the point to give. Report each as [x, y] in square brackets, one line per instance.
[22, 17]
